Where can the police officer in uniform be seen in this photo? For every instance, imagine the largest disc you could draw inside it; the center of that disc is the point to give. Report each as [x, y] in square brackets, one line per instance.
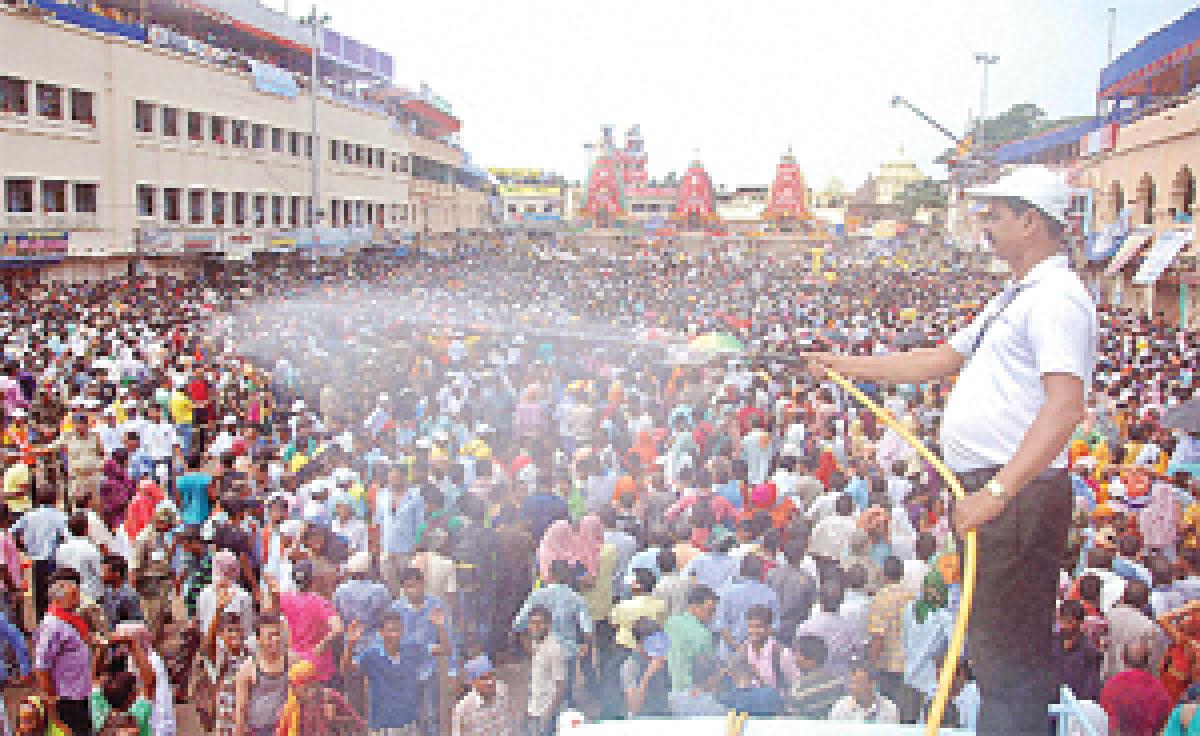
[1023, 369]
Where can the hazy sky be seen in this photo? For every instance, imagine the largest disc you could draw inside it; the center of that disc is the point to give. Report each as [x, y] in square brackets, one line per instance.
[532, 80]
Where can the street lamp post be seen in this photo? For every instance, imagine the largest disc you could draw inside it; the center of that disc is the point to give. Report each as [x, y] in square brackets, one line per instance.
[986, 60]
[315, 23]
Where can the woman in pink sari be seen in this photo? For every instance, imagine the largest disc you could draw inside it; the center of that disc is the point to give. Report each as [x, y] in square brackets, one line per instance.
[578, 547]
[558, 543]
[591, 539]
[313, 622]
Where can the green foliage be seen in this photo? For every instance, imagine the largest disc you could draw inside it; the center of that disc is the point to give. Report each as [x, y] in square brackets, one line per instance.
[1019, 121]
[924, 194]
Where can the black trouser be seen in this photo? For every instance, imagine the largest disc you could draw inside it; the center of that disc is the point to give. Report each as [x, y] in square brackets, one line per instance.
[906, 699]
[75, 715]
[42, 570]
[1010, 635]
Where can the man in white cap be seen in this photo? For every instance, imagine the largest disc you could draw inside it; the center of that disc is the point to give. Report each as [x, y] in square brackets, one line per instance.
[1023, 367]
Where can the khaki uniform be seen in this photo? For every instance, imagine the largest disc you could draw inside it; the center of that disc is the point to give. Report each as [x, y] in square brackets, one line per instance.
[152, 578]
[85, 460]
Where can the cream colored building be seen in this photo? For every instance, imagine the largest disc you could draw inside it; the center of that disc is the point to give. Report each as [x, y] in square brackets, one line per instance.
[829, 204]
[1151, 171]
[134, 149]
[894, 176]
[744, 204]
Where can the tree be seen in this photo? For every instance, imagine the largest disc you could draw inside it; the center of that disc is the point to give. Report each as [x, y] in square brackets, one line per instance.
[1020, 121]
[924, 194]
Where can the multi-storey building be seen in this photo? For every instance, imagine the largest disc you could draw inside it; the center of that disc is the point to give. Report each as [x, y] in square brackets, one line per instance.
[184, 133]
[530, 197]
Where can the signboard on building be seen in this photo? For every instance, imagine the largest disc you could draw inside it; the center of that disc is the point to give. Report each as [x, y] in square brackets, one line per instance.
[273, 80]
[39, 244]
[201, 242]
[1166, 247]
[155, 241]
[282, 241]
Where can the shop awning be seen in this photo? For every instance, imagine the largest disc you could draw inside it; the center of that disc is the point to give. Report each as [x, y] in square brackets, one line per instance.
[1034, 145]
[1169, 46]
[1133, 245]
[1167, 246]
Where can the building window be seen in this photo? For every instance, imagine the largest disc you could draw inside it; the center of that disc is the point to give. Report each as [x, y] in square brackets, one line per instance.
[295, 210]
[172, 204]
[308, 146]
[348, 153]
[277, 210]
[1117, 194]
[216, 127]
[86, 196]
[294, 144]
[54, 197]
[143, 117]
[359, 155]
[335, 207]
[170, 122]
[50, 101]
[196, 206]
[1184, 194]
[237, 133]
[195, 126]
[532, 208]
[146, 196]
[14, 96]
[1146, 197]
[548, 208]
[239, 208]
[18, 193]
[218, 208]
[334, 149]
[276, 140]
[260, 210]
[83, 107]
[512, 208]
[258, 136]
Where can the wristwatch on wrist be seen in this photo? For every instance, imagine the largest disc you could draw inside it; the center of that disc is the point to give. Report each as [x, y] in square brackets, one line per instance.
[996, 488]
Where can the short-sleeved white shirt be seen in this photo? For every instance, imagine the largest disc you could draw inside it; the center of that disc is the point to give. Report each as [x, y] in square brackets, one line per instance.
[1049, 327]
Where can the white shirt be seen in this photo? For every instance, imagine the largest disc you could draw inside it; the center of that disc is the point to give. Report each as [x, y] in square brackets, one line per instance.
[848, 709]
[914, 575]
[831, 537]
[110, 437]
[79, 554]
[159, 439]
[1049, 327]
[162, 717]
[548, 668]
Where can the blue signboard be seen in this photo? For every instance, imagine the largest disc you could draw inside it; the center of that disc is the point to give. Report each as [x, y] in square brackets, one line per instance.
[70, 13]
[273, 80]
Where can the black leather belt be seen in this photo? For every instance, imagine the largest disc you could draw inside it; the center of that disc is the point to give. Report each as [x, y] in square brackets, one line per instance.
[973, 480]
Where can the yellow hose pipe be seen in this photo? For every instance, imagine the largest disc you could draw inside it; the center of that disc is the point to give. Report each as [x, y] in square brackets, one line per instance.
[938, 709]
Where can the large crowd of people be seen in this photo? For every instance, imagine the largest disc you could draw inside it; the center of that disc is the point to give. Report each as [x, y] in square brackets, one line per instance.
[466, 495]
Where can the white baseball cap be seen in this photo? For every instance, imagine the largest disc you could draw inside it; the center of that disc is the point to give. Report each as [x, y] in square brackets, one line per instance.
[1037, 185]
